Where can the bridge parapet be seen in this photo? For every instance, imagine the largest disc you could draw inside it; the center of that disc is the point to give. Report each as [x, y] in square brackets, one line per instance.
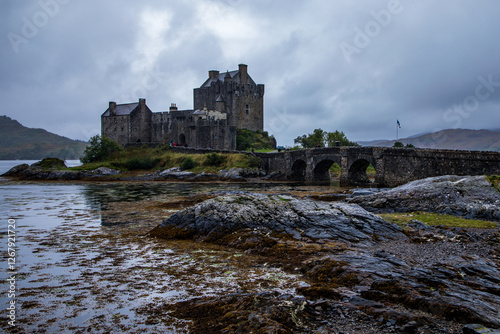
[393, 166]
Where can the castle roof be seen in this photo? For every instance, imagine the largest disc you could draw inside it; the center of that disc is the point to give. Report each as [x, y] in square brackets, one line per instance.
[220, 77]
[122, 109]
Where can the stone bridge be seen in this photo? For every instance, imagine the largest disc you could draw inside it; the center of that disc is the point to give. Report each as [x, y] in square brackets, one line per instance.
[393, 166]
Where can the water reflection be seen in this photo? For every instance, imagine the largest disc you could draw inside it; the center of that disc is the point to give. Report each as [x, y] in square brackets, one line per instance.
[108, 198]
[76, 275]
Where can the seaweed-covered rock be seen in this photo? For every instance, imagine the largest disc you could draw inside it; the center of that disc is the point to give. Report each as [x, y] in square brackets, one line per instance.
[471, 197]
[299, 219]
[17, 170]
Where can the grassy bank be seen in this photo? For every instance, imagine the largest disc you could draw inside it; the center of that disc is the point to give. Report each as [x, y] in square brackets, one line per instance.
[146, 158]
[434, 219]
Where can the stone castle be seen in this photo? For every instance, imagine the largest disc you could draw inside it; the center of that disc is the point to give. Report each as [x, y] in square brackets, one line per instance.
[225, 102]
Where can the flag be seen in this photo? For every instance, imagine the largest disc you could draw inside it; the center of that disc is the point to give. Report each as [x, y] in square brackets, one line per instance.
[399, 125]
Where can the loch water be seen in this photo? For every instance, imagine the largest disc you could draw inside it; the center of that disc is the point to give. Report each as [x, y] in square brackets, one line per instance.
[84, 262]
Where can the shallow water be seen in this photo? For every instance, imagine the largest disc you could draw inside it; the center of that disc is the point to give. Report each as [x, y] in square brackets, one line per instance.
[75, 274]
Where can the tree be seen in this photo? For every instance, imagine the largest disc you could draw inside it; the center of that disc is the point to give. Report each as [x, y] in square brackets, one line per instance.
[398, 144]
[99, 149]
[320, 138]
[259, 140]
[338, 136]
[315, 139]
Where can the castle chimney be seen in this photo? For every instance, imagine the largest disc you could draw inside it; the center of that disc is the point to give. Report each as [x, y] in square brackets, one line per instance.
[212, 74]
[173, 107]
[142, 102]
[112, 108]
[243, 73]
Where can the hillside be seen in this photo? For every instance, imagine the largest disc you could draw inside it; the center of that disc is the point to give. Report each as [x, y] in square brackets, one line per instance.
[456, 139]
[20, 142]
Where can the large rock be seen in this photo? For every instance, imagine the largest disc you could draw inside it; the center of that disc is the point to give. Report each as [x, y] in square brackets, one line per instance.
[175, 173]
[105, 171]
[17, 170]
[40, 171]
[282, 214]
[466, 196]
[239, 173]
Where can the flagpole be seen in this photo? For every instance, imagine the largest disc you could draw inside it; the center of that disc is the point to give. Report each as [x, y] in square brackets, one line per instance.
[398, 125]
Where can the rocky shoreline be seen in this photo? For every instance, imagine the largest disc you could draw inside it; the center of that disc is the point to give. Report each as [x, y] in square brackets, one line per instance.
[37, 172]
[361, 273]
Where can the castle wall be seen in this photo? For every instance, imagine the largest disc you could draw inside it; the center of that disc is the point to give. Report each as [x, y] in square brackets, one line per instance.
[161, 127]
[216, 135]
[236, 99]
[248, 108]
[140, 123]
[116, 128]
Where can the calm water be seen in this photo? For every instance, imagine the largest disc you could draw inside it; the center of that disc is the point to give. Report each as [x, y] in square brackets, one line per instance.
[75, 273]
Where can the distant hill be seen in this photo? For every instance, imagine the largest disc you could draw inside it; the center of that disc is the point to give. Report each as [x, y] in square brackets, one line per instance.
[455, 139]
[20, 142]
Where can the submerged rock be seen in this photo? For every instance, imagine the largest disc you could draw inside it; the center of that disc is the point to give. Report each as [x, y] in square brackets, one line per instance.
[472, 197]
[299, 219]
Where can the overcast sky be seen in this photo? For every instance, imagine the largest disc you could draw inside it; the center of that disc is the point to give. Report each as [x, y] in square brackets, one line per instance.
[350, 65]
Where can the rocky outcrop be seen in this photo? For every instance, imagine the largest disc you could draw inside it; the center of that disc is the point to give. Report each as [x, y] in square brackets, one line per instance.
[263, 215]
[360, 273]
[471, 197]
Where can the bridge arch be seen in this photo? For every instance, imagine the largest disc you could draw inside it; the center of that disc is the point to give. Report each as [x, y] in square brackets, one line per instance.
[299, 170]
[321, 171]
[356, 173]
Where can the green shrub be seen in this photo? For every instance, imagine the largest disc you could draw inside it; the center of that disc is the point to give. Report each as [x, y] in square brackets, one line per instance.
[50, 163]
[398, 144]
[100, 149]
[214, 159]
[141, 163]
[188, 163]
[258, 140]
[254, 162]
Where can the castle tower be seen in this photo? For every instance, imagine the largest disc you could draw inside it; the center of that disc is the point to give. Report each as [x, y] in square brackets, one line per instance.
[243, 99]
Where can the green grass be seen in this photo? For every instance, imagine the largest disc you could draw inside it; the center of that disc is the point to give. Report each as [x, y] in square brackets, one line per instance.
[494, 180]
[145, 158]
[433, 219]
[263, 150]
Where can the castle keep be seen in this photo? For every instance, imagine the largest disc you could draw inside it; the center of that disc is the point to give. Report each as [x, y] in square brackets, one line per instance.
[225, 102]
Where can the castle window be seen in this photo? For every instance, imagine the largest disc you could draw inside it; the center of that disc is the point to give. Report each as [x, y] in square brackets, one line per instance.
[247, 109]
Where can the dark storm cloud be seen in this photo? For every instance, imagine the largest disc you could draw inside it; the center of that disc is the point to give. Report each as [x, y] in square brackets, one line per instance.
[356, 66]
